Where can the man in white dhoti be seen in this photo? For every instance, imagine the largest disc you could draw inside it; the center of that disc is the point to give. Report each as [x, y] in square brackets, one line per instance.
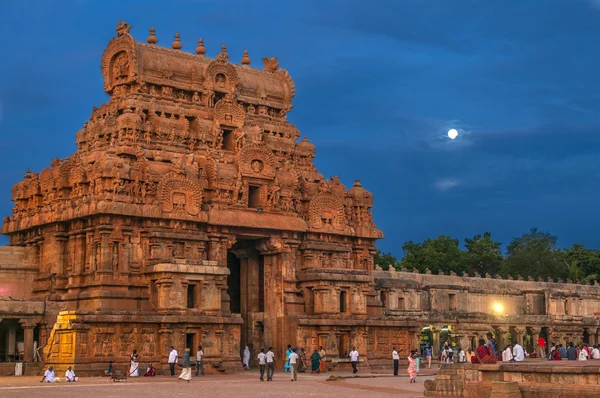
[70, 375]
[246, 359]
[186, 373]
[49, 375]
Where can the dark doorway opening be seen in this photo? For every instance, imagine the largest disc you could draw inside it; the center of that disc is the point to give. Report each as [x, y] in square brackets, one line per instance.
[261, 283]
[189, 341]
[234, 283]
[253, 196]
[586, 336]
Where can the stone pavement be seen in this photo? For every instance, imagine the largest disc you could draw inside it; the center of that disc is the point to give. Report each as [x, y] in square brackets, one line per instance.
[241, 384]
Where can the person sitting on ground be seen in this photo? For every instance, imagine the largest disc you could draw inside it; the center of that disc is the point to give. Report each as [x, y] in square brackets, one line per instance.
[483, 354]
[150, 372]
[571, 352]
[49, 375]
[556, 354]
[595, 352]
[582, 355]
[507, 355]
[70, 375]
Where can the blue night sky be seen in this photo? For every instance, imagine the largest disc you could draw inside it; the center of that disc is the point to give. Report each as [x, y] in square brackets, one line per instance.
[378, 85]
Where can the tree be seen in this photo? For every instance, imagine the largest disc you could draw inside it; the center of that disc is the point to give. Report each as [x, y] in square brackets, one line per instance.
[384, 260]
[534, 254]
[483, 254]
[441, 253]
[587, 262]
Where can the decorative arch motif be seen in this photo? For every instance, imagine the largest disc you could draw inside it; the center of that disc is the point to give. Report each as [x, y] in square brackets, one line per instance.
[214, 74]
[229, 112]
[120, 50]
[326, 209]
[177, 193]
[257, 161]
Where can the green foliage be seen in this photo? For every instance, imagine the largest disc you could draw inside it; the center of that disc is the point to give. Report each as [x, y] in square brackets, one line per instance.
[384, 260]
[483, 254]
[441, 253]
[534, 254]
[586, 260]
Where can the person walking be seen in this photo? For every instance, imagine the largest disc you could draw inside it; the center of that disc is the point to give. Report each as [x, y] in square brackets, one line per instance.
[396, 359]
[286, 367]
[322, 354]
[270, 364]
[315, 362]
[186, 373]
[172, 360]
[246, 358]
[262, 363]
[412, 366]
[199, 365]
[354, 359]
[293, 362]
[428, 353]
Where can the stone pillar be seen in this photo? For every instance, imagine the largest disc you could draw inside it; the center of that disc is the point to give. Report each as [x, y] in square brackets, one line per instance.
[28, 341]
[519, 332]
[11, 341]
[436, 341]
[501, 341]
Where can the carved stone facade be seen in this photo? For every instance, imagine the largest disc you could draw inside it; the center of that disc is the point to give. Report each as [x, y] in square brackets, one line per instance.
[192, 214]
[463, 309]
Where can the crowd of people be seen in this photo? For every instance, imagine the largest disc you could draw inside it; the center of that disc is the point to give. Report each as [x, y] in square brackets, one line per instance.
[297, 360]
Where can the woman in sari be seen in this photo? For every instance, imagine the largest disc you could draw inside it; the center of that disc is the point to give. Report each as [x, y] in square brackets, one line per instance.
[483, 354]
[289, 350]
[315, 362]
[556, 355]
[302, 358]
[134, 365]
[412, 366]
[186, 373]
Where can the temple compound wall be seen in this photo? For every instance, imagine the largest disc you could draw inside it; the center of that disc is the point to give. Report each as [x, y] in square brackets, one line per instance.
[461, 309]
[192, 214]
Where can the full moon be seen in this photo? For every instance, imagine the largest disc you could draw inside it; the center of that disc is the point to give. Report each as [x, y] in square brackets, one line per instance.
[452, 133]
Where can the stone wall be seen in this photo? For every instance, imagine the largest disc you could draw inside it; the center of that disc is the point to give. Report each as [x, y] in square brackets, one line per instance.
[17, 272]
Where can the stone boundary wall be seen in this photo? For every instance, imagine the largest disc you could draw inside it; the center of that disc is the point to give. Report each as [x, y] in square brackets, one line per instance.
[496, 283]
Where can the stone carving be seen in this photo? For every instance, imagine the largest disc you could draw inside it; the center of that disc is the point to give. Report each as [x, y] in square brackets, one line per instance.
[326, 209]
[228, 112]
[178, 193]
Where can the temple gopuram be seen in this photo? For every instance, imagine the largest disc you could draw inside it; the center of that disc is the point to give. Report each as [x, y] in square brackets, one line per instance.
[192, 214]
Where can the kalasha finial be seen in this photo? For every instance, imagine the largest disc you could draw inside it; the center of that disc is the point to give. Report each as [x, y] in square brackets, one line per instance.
[246, 58]
[223, 56]
[152, 39]
[177, 43]
[200, 50]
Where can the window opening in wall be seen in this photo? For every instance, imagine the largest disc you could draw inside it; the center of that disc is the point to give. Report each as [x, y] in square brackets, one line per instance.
[342, 302]
[228, 140]
[253, 196]
[191, 296]
[382, 299]
[400, 303]
[452, 301]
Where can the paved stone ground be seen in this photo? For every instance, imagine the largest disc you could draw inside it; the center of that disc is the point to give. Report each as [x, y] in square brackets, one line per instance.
[243, 384]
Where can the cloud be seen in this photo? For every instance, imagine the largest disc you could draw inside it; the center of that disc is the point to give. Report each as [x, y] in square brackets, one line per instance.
[445, 184]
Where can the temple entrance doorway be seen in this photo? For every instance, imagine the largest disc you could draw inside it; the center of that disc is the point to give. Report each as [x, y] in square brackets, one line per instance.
[246, 290]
